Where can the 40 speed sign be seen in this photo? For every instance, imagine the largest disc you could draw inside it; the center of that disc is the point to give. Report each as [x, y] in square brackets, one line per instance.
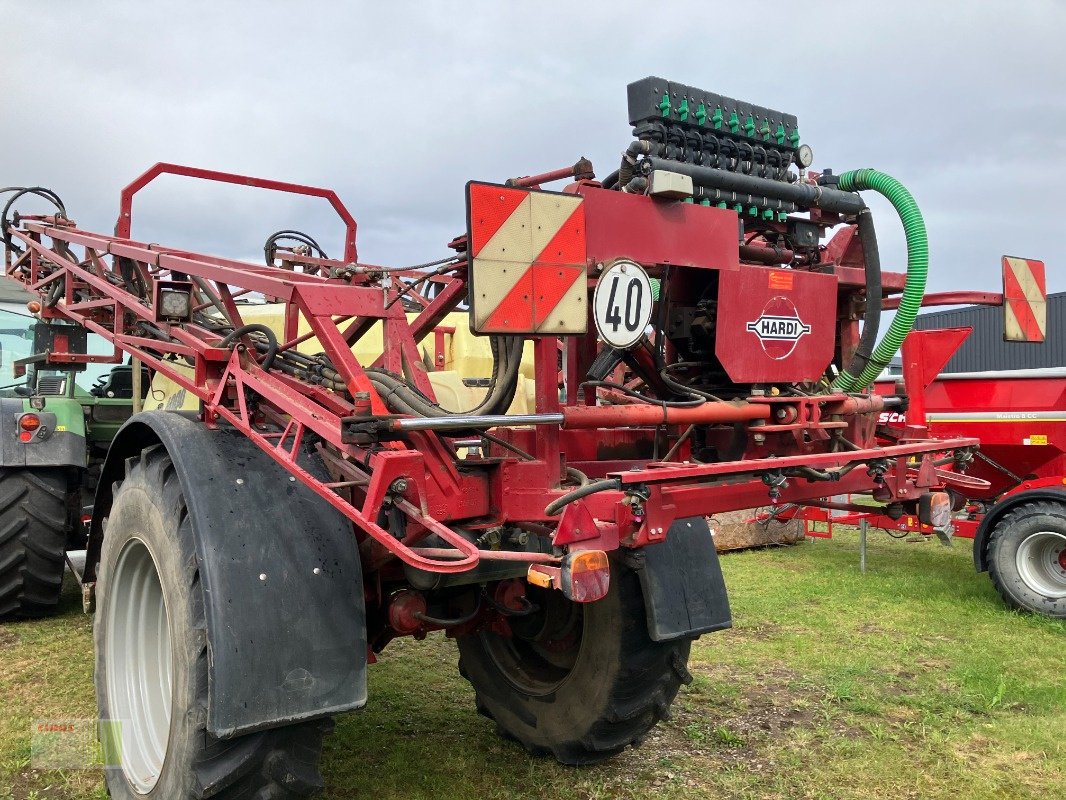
[622, 304]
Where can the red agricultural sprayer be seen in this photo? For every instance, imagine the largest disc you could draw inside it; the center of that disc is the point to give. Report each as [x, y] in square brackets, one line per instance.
[696, 348]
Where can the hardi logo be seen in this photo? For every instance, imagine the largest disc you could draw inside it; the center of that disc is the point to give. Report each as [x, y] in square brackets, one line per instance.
[778, 328]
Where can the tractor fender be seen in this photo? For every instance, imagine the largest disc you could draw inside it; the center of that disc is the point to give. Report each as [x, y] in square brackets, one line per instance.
[684, 591]
[999, 510]
[280, 571]
[62, 444]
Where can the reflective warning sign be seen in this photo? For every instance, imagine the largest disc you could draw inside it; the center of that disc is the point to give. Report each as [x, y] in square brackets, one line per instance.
[1024, 300]
[528, 271]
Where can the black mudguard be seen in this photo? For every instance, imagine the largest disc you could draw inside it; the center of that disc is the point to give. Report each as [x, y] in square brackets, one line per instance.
[280, 570]
[684, 591]
[996, 513]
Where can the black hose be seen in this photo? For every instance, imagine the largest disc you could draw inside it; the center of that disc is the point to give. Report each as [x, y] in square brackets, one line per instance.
[804, 195]
[19, 191]
[448, 623]
[450, 266]
[270, 248]
[812, 474]
[643, 398]
[577, 476]
[629, 160]
[530, 608]
[401, 396]
[871, 320]
[255, 327]
[681, 388]
[604, 485]
[55, 291]
[213, 298]
[847, 443]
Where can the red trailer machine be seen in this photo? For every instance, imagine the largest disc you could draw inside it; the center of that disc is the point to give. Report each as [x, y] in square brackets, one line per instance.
[1017, 519]
[697, 349]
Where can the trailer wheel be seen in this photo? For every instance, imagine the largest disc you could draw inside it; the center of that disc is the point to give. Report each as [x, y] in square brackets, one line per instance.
[151, 664]
[1027, 558]
[578, 681]
[33, 536]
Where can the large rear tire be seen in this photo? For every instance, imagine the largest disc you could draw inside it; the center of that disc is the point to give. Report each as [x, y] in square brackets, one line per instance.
[151, 664]
[1027, 558]
[579, 681]
[34, 527]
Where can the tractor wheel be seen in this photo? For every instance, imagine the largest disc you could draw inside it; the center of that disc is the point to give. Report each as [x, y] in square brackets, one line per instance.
[1027, 558]
[34, 525]
[151, 664]
[578, 681]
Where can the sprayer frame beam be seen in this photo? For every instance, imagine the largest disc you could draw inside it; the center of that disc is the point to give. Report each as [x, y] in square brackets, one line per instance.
[419, 473]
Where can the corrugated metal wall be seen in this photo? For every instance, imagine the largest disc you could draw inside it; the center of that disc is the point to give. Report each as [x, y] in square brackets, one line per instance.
[985, 349]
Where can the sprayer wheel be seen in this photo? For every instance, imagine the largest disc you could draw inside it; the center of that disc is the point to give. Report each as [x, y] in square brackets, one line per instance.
[578, 681]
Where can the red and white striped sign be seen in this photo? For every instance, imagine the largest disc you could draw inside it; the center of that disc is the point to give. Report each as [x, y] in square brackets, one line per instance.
[1024, 300]
[528, 272]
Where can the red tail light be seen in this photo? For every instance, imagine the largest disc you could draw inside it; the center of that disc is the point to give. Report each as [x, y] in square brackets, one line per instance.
[586, 575]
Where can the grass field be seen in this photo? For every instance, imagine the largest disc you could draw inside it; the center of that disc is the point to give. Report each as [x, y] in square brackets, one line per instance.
[911, 681]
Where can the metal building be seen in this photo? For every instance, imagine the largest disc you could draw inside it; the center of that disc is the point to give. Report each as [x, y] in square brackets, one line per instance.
[984, 349]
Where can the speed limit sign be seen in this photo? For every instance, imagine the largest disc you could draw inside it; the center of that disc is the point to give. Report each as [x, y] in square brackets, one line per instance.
[622, 304]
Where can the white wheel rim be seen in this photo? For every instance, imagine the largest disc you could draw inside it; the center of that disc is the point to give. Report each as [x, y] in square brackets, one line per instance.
[1041, 563]
[140, 664]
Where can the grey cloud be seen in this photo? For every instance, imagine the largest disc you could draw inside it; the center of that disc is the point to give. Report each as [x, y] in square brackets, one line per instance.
[397, 105]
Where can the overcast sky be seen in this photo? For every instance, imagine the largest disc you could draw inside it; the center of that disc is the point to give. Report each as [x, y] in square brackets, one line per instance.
[396, 105]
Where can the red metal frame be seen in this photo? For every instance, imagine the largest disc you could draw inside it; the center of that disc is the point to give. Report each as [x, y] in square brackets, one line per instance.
[123, 225]
[419, 473]
[1019, 418]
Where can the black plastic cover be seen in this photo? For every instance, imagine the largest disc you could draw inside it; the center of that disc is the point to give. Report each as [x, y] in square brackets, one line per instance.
[646, 94]
[283, 587]
[684, 591]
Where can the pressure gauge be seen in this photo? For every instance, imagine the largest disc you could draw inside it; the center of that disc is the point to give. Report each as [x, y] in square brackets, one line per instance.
[804, 156]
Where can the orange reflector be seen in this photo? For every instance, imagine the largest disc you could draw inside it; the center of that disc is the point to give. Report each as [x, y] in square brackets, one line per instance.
[538, 578]
[586, 575]
[29, 422]
[34, 306]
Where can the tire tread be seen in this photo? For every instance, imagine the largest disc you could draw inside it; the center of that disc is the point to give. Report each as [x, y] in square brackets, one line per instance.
[34, 528]
[1000, 538]
[640, 694]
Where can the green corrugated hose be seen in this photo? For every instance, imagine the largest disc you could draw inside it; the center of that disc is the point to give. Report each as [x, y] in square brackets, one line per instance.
[917, 271]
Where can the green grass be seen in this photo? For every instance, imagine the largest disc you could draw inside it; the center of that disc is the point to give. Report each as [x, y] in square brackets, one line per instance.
[911, 681]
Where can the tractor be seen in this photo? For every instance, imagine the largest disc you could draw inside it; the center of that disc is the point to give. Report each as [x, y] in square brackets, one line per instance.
[68, 413]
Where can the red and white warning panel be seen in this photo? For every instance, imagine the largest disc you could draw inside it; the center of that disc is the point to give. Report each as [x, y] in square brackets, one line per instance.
[1024, 300]
[528, 272]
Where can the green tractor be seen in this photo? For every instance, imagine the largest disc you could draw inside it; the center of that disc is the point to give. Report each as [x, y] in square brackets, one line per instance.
[55, 426]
